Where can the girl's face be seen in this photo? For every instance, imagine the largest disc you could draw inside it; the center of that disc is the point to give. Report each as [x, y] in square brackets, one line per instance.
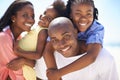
[82, 16]
[64, 40]
[47, 17]
[24, 19]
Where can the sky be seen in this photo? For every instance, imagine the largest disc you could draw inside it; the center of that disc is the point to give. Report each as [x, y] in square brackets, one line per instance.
[109, 17]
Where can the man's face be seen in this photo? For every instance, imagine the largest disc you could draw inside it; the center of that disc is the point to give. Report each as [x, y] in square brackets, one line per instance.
[64, 39]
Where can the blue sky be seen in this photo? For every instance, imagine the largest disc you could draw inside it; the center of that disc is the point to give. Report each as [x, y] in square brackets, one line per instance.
[109, 11]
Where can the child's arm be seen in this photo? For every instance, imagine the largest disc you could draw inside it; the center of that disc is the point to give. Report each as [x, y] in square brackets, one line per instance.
[93, 50]
[50, 61]
[49, 56]
[92, 53]
[41, 42]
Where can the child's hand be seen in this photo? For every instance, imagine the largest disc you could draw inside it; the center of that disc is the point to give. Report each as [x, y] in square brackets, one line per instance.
[53, 74]
[16, 64]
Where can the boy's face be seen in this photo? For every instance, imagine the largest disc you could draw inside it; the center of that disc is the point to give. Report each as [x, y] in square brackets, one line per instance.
[82, 16]
[64, 39]
[47, 17]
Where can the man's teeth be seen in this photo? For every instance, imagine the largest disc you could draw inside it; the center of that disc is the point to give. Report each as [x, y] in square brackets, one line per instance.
[65, 49]
[28, 24]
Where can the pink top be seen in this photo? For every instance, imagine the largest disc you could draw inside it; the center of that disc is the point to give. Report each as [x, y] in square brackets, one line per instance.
[6, 55]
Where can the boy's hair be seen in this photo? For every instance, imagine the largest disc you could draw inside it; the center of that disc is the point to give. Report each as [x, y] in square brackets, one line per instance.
[16, 6]
[72, 2]
[60, 7]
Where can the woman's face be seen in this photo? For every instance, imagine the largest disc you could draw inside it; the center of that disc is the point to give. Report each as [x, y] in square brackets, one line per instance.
[47, 17]
[24, 18]
[64, 40]
[82, 16]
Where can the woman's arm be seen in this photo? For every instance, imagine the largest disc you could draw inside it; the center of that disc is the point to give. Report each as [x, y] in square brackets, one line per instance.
[41, 42]
[17, 63]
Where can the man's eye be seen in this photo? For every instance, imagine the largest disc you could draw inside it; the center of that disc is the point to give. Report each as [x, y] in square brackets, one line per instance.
[54, 41]
[67, 37]
[77, 14]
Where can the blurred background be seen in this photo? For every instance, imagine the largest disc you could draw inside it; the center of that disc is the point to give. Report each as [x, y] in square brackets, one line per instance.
[109, 11]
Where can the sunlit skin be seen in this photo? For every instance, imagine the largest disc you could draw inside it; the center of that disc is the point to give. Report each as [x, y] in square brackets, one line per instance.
[23, 20]
[64, 39]
[47, 17]
[44, 20]
[82, 16]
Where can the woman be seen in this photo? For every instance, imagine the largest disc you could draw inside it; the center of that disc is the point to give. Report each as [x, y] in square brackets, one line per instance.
[19, 17]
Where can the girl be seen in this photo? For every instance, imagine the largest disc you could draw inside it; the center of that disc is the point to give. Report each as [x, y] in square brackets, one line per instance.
[32, 45]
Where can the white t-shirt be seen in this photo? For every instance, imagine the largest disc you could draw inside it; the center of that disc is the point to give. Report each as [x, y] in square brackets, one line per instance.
[40, 69]
[104, 68]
